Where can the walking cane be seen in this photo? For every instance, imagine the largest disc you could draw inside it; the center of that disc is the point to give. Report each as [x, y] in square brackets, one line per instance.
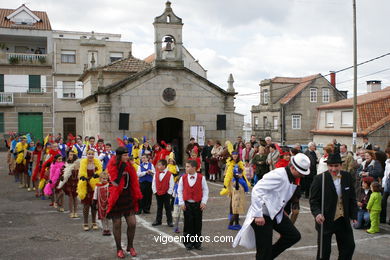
[322, 213]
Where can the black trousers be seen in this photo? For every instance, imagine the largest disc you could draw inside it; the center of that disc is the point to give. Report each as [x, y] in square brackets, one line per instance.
[384, 206]
[307, 184]
[289, 235]
[206, 169]
[147, 194]
[164, 201]
[192, 223]
[344, 237]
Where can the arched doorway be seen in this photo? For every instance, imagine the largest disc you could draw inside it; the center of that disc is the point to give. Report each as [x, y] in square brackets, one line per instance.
[170, 130]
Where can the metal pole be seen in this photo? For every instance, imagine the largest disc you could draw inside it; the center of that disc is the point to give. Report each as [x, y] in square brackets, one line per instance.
[354, 134]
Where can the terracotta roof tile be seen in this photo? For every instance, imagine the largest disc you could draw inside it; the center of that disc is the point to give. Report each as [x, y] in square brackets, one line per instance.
[366, 98]
[150, 58]
[373, 111]
[130, 65]
[44, 24]
[302, 83]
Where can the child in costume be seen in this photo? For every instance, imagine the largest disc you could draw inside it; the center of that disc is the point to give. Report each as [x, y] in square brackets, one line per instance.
[162, 186]
[54, 179]
[174, 169]
[123, 200]
[79, 147]
[235, 185]
[374, 207]
[29, 165]
[37, 164]
[90, 169]
[135, 153]
[14, 139]
[145, 175]
[100, 200]
[195, 157]
[69, 182]
[193, 195]
[106, 155]
[20, 167]
[62, 147]
[100, 147]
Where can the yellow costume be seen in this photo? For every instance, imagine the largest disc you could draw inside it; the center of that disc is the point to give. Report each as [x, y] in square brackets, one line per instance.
[82, 184]
[229, 176]
[20, 149]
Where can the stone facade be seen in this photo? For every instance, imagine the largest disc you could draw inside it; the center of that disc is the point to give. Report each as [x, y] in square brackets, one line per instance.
[282, 99]
[192, 100]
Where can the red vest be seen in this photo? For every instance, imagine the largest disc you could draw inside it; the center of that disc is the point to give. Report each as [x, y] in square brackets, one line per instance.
[195, 192]
[162, 187]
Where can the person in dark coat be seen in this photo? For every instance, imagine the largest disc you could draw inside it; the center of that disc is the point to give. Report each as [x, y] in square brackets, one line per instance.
[206, 157]
[340, 208]
[307, 180]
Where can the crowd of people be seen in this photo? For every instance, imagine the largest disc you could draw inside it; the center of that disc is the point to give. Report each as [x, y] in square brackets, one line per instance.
[114, 184]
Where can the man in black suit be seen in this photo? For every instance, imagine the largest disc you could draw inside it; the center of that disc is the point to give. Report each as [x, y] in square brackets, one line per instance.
[339, 208]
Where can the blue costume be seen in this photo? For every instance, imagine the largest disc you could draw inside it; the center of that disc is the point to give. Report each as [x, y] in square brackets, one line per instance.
[106, 158]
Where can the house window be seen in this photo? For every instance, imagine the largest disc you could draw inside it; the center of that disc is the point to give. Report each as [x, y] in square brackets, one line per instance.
[313, 95]
[34, 83]
[1, 122]
[1, 82]
[116, 56]
[275, 120]
[329, 119]
[325, 95]
[69, 90]
[346, 118]
[256, 121]
[296, 121]
[68, 56]
[265, 96]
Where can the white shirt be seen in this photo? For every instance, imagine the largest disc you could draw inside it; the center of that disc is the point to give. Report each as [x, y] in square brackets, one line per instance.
[191, 182]
[386, 174]
[171, 182]
[337, 185]
[141, 173]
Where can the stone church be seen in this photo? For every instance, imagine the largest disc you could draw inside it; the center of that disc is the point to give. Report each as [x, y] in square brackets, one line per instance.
[166, 97]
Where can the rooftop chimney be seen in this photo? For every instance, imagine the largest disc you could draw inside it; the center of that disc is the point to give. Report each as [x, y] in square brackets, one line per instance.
[374, 85]
[333, 78]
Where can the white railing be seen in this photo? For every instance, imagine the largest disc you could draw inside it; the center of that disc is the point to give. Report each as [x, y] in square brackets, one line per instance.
[6, 98]
[15, 58]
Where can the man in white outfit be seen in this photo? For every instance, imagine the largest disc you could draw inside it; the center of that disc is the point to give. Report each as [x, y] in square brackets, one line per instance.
[266, 213]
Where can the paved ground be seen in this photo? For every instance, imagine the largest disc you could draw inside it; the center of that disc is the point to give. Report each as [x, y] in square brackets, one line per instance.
[31, 229]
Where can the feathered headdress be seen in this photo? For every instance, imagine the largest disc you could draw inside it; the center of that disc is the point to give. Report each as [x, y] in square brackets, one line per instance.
[229, 146]
[120, 142]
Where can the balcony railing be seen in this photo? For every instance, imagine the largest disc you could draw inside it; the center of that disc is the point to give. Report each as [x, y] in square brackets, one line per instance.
[26, 58]
[6, 98]
[35, 90]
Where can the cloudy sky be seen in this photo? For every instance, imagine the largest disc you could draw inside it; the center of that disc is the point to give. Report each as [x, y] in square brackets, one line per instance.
[253, 39]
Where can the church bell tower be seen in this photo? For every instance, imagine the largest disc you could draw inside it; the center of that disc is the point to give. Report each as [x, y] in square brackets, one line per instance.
[168, 42]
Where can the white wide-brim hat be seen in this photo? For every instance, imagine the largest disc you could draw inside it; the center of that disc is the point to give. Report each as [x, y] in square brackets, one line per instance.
[301, 163]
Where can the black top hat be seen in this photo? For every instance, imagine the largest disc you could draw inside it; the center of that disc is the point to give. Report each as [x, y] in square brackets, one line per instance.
[121, 150]
[334, 158]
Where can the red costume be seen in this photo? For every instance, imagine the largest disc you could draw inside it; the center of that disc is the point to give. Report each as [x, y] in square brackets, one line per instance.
[282, 163]
[162, 186]
[195, 192]
[117, 190]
